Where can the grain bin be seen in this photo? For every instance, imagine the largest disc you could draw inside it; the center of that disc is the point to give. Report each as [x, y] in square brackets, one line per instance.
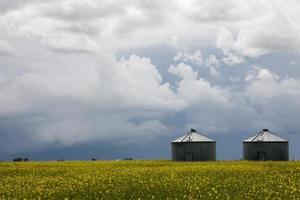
[193, 146]
[265, 146]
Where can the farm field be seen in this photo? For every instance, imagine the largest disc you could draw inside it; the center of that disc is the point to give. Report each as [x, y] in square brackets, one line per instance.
[149, 180]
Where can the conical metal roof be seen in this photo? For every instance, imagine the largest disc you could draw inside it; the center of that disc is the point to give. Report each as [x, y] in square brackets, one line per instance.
[265, 136]
[193, 136]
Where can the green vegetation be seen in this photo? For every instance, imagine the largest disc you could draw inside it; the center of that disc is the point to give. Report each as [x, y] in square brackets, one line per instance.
[149, 180]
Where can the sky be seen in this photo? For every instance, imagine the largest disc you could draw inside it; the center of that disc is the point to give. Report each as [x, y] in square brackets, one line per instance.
[112, 79]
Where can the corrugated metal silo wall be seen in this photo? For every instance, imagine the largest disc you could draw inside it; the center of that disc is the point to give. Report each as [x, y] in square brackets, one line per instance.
[194, 151]
[272, 150]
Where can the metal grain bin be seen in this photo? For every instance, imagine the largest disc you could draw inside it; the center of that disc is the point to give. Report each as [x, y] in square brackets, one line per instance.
[193, 147]
[265, 146]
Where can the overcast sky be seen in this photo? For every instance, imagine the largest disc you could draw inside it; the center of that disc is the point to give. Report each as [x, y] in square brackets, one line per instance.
[116, 78]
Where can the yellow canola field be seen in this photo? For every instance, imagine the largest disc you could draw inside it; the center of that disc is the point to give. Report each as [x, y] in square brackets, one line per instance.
[150, 180]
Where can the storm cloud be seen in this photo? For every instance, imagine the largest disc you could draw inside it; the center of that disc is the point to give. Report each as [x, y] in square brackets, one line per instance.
[76, 72]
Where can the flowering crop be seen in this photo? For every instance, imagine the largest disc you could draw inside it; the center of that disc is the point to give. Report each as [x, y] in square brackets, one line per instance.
[150, 180]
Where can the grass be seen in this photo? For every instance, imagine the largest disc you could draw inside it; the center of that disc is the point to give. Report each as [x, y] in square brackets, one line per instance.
[149, 180]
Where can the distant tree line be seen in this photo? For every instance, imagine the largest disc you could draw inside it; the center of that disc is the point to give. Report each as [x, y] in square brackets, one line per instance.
[20, 159]
[129, 158]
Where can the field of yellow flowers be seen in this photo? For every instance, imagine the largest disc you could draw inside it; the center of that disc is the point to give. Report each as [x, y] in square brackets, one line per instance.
[149, 180]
